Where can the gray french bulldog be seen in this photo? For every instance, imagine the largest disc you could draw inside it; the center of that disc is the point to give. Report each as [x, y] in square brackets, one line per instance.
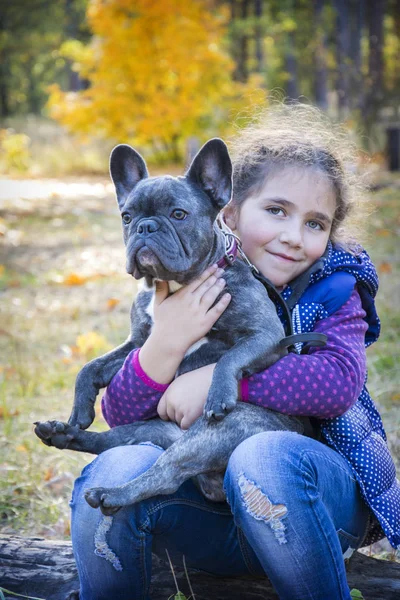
[171, 234]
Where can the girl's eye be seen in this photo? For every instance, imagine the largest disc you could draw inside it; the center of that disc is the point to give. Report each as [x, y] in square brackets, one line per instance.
[276, 211]
[315, 225]
[126, 217]
[179, 214]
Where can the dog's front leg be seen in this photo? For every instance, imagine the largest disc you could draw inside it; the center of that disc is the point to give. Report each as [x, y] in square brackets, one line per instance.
[248, 356]
[95, 375]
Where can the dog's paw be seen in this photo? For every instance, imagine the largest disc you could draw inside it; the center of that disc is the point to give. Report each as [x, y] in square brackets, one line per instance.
[217, 409]
[55, 433]
[83, 416]
[101, 498]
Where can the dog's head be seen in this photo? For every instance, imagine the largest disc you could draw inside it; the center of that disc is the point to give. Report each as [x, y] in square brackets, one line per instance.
[168, 222]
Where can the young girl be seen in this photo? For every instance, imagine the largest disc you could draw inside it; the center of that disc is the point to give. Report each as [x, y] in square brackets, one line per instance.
[296, 505]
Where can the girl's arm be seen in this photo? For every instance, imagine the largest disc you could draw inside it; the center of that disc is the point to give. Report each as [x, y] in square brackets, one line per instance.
[324, 383]
[132, 395]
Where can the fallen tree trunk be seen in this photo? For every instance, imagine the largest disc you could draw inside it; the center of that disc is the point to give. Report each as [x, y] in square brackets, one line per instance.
[46, 569]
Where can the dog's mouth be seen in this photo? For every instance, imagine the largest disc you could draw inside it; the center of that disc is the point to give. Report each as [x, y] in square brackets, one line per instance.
[162, 258]
[144, 262]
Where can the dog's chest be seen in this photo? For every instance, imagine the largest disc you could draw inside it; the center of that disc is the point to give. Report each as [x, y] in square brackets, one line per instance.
[174, 287]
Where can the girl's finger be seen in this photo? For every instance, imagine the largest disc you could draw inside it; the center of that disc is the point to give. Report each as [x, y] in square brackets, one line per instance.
[162, 291]
[210, 282]
[161, 408]
[171, 412]
[216, 311]
[193, 286]
[210, 295]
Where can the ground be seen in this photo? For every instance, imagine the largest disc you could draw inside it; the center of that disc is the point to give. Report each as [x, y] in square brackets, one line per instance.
[65, 298]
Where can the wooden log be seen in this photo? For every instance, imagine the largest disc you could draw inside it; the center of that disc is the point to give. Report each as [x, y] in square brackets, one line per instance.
[46, 569]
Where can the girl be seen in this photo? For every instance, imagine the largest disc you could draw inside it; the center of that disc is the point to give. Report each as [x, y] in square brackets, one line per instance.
[296, 505]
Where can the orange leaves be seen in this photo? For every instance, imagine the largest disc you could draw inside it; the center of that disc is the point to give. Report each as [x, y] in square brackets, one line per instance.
[74, 279]
[112, 303]
[385, 267]
[90, 342]
[49, 474]
[6, 413]
[383, 233]
[158, 72]
[21, 448]
[87, 345]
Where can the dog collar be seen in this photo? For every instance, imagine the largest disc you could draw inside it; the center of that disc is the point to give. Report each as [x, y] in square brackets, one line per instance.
[231, 251]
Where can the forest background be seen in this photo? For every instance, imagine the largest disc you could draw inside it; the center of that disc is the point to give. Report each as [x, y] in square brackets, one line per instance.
[77, 77]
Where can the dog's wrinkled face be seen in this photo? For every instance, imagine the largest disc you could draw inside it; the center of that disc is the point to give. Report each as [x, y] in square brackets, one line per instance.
[168, 222]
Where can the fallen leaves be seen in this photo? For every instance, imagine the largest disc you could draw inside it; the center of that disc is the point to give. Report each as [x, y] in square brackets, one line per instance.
[74, 279]
[6, 413]
[385, 267]
[112, 303]
[21, 448]
[87, 345]
[383, 233]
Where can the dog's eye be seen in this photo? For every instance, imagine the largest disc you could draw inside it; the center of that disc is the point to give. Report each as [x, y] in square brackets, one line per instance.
[126, 217]
[179, 214]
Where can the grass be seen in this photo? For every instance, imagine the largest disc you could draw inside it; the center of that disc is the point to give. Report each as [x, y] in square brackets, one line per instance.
[384, 356]
[61, 277]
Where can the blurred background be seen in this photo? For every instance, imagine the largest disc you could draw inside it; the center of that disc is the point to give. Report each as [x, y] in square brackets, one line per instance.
[165, 76]
[77, 77]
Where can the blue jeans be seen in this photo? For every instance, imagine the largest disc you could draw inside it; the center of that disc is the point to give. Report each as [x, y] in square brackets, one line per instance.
[294, 509]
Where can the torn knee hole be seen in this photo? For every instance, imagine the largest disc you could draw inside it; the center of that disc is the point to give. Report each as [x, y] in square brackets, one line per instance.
[260, 507]
[101, 547]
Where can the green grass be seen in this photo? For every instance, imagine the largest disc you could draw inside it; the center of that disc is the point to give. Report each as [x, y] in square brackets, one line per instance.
[42, 316]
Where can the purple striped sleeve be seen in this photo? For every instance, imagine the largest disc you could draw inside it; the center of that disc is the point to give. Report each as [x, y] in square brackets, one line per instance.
[131, 395]
[324, 383]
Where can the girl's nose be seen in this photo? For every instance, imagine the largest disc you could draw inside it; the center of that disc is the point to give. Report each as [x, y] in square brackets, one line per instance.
[291, 236]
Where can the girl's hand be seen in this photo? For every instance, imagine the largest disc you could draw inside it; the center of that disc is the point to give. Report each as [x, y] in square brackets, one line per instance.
[185, 317]
[180, 320]
[184, 400]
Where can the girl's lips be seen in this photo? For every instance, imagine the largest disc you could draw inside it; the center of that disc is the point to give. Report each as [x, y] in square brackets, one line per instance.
[283, 257]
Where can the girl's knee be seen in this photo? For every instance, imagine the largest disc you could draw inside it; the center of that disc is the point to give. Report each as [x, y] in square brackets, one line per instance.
[267, 449]
[119, 465]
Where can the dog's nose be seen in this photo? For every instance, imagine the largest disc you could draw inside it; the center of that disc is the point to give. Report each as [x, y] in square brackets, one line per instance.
[147, 226]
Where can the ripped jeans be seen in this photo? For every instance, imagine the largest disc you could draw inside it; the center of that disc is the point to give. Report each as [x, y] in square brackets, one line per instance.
[294, 510]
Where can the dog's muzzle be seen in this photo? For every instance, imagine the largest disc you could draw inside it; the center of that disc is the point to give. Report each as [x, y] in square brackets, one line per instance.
[146, 227]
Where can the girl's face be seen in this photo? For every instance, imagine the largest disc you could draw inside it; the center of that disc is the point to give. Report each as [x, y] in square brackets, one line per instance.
[285, 227]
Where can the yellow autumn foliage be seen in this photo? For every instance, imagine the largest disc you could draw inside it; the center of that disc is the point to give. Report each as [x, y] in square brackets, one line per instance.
[91, 343]
[158, 73]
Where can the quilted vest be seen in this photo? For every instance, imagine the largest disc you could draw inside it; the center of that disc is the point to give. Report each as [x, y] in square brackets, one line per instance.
[358, 435]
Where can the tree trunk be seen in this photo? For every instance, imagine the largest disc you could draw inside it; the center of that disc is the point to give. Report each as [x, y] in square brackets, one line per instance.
[320, 82]
[75, 83]
[46, 569]
[242, 72]
[4, 74]
[375, 92]
[342, 55]
[357, 18]
[258, 36]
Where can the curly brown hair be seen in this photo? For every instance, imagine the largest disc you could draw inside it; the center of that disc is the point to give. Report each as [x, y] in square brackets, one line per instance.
[295, 134]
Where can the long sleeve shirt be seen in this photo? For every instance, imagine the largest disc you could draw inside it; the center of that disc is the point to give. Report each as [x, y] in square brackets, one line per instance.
[324, 383]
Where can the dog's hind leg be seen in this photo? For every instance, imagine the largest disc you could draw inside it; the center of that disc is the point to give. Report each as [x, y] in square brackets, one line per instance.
[64, 436]
[203, 448]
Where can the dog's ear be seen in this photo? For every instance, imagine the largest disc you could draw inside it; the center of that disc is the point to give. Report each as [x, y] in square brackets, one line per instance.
[127, 168]
[211, 169]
